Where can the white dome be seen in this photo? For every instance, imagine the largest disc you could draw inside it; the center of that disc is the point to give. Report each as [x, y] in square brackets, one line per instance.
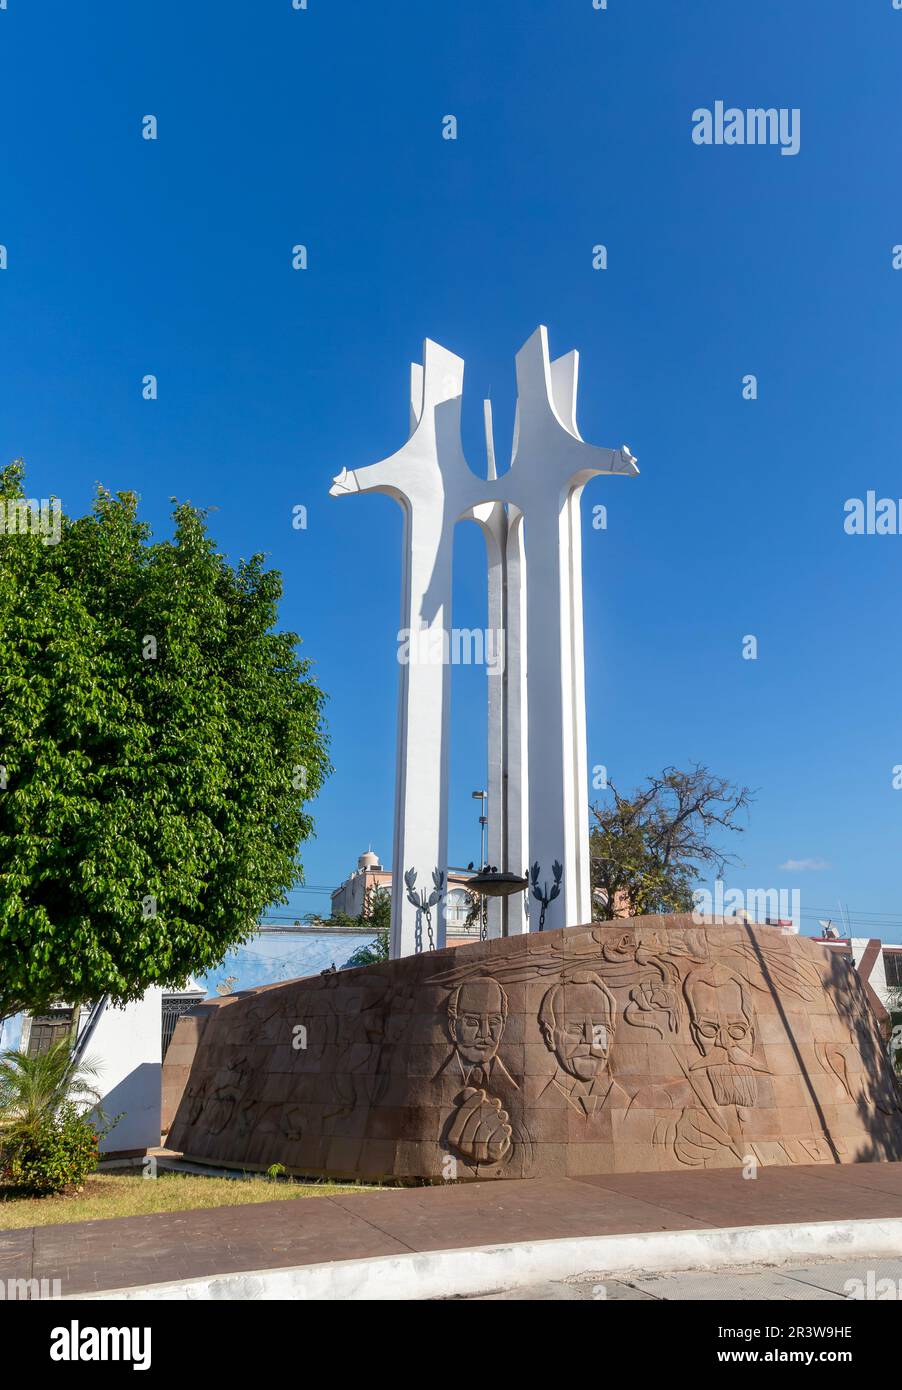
[369, 861]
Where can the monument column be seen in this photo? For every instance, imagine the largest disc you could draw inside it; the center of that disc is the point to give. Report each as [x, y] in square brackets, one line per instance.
[420, 480]
[537, 773]
[551, 465]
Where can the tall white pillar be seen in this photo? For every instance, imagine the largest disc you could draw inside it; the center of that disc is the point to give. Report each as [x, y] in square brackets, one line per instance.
[530, 516]
[419, 480]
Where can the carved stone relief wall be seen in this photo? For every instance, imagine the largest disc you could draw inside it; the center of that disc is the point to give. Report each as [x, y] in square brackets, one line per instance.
[652, 1043]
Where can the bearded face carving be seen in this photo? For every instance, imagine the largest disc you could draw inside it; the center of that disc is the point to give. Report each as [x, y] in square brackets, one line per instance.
[722, 1026]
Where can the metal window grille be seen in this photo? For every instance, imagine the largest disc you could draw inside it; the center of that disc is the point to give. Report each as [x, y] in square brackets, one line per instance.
[173, 1008]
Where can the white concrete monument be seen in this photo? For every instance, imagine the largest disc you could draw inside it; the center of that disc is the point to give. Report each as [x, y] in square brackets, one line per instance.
[538, 795]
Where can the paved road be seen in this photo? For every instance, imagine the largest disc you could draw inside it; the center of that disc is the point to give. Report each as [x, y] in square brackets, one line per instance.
[832, 1281]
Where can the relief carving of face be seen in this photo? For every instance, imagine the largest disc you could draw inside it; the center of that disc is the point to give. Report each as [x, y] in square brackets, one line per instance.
[577, 1022]
[722, 1028]
[477, 1010]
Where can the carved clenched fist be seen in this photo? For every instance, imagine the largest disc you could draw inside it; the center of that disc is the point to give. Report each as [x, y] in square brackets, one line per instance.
[480, 1132]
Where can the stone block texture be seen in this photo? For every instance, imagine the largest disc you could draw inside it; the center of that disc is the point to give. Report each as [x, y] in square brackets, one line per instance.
[641, 1045]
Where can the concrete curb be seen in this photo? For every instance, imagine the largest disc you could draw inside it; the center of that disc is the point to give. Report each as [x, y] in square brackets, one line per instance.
[485, 1269]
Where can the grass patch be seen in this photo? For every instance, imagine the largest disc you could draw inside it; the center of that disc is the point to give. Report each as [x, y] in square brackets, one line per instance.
[129, 1193]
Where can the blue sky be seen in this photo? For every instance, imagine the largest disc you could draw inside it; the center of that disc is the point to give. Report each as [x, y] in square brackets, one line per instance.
[324, 127]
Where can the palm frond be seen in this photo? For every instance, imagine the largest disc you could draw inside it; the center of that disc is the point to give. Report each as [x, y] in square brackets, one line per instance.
[33, 1087]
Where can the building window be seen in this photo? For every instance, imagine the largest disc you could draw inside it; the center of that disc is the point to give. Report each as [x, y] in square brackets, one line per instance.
[46, 1029]
[457, 905]
[892, 968]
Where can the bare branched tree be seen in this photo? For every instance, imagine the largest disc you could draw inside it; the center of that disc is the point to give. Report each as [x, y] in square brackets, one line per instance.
[649, 847]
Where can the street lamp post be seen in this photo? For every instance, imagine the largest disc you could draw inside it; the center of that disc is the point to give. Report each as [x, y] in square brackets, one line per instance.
[482, 797]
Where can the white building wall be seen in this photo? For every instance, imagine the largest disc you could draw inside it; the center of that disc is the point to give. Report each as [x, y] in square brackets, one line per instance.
[350, 898]
[127, 1047]
[877, 977]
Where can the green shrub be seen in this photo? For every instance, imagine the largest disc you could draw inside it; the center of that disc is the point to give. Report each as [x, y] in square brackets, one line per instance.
[51, 1153]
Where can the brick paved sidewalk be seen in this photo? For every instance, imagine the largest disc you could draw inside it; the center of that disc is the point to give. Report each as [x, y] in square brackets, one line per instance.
[95, 1255]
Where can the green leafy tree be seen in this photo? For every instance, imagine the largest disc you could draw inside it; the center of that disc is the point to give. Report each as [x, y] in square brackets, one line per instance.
[894, 1008]
[376, 916]
[476, 910]
[159, 743]
[648, 848]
